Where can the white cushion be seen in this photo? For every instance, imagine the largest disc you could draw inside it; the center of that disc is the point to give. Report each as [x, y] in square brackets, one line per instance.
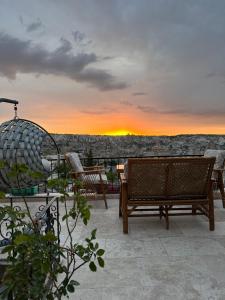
[46, 164]
[75, 162]
[219, 155]
[94, 178]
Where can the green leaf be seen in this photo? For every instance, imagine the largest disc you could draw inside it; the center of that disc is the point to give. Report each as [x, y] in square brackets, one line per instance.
[2, 164]
[7, 248]
[50, 297]
[91, 246]
[96, 246]
[20, 239]
[100, 252]
[50, 237]
[74, 282]
[70, 288]
[93, 234]
[92, 266]
[2, 195]
[101, 262]
[65, 217]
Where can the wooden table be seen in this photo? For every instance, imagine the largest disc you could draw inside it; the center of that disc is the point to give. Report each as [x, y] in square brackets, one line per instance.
[120, 168]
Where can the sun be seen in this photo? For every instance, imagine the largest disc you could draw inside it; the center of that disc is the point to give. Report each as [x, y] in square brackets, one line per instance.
[119, 132]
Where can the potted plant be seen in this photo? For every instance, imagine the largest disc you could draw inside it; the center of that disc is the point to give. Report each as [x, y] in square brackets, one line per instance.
[38, 267]
[111, 176]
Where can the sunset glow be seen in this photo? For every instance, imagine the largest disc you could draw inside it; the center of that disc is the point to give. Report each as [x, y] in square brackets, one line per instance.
[134, 71]
[119, 132]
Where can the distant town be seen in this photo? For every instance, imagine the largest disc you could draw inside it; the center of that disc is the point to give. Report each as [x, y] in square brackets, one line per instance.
[132, 145]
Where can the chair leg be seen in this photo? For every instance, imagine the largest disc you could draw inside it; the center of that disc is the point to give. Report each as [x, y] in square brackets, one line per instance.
[167, 217]
[125, 222]
[104, 198]
[221, 187]
[103, 190]
[124, 209]
[211, 212]
[193, 210]
[120, 203]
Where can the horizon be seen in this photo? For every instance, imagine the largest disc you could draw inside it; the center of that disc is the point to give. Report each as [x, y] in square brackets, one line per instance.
[145, 68]
[141, 135]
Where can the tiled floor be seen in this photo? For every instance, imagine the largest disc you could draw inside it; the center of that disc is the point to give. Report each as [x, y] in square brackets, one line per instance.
[186, 262]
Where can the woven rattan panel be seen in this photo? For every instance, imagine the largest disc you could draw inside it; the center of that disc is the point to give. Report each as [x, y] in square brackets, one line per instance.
[168, 177]
[146, 178]
[188, 177]
[20, 143]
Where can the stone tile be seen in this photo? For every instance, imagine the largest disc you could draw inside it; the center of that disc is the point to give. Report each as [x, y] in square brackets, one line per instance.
[185, 246]
[87, 294]
[187, 277]
[156, 292]
[199, 228]
[105, 231]
[119, 272]
[220, 215]
[134, 248]
[144, 231]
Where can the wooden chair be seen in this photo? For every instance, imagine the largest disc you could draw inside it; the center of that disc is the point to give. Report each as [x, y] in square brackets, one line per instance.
[167, 186]
[218, 170]
[93, 179]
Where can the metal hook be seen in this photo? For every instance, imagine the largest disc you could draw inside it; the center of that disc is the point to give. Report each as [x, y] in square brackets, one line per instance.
[15, 102]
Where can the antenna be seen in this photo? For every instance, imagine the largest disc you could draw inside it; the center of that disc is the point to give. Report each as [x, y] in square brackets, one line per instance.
[15, 102]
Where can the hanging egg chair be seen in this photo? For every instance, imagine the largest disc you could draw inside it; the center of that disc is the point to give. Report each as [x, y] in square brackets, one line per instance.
[21, 143]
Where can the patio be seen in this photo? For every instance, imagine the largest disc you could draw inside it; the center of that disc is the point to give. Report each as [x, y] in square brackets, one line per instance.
[185, 262]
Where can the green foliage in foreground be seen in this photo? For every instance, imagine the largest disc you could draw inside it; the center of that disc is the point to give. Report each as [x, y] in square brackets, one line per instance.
[38, 266]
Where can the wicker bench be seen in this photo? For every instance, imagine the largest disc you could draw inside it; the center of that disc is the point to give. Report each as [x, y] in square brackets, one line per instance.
[167, 186]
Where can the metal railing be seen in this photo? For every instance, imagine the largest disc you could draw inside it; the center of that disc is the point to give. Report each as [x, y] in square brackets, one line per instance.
[109, 164]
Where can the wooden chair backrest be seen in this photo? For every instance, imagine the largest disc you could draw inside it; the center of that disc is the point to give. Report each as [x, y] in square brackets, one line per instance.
[169, 177]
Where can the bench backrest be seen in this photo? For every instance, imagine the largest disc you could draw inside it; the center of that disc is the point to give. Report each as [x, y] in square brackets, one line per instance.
[169, 177]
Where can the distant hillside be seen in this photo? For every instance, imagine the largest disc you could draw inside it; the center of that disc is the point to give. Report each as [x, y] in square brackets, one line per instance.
[131, 145]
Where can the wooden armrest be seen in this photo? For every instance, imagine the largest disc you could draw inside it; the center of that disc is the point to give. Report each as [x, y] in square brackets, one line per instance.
[89, 172]
[123, 178]
[97, 167]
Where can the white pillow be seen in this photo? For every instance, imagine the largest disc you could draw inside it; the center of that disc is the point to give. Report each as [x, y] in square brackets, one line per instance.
[219, 155]
[46, 164]
[75, 162]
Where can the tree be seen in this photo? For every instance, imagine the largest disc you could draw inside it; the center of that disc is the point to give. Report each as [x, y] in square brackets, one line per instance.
[90, 161]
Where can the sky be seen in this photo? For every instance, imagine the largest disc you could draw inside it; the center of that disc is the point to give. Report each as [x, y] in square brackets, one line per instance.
[152, 67]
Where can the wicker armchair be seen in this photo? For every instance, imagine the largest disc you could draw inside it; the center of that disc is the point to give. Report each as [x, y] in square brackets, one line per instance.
[167, 186]
[218, 170]
[93, 179]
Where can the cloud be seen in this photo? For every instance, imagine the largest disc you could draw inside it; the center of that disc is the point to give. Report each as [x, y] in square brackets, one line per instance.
[21, 20]
[177, 42]
[34, 26]
[182, 111]
[126, 103]
[80, 38]
[139, 94]
[18, 56]
[102, 111]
